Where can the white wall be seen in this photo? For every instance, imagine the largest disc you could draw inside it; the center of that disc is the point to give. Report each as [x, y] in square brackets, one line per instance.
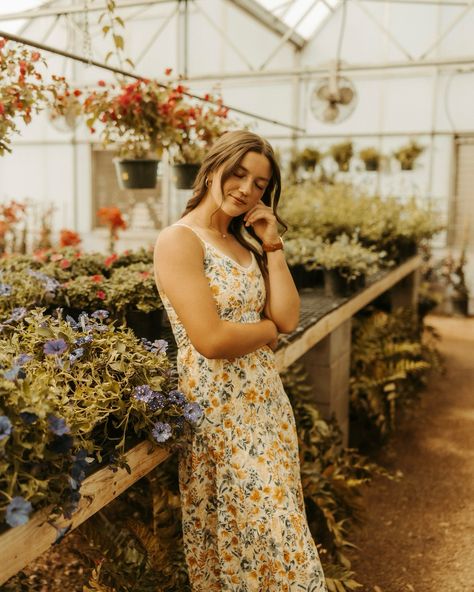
[430, 102]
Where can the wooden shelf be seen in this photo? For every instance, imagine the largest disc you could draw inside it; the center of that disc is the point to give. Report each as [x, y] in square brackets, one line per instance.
[22, 544]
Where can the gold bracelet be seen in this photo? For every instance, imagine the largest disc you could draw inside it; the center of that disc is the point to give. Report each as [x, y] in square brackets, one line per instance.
[273, 246]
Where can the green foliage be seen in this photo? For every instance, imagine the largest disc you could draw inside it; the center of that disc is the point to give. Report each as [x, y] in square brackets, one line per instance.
[332, 477]
[342, 154]
[77, 397]
[408, 154]
[390, 359]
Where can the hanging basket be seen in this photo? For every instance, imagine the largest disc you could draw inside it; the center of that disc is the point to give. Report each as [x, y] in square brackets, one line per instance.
[136, 173]
[184, 175]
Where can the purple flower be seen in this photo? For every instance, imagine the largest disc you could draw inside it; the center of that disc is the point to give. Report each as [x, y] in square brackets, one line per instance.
[5, 290]
[58, 425]
[17, 314]
[55, 347]
[14, 373]
[5, 427]
[23, 359]
[18, 511]
[72, 323]
[176, 398]
[100, 315]
[159, 345]
[161, 431]
[83, 340]
[143, 393]
[76, 354]
[157, 401]
[192, 412]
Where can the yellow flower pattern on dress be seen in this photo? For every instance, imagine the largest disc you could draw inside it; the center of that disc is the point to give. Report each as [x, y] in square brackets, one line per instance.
[244, 521]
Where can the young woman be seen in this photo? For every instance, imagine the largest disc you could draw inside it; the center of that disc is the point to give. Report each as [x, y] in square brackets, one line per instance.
[223, 279]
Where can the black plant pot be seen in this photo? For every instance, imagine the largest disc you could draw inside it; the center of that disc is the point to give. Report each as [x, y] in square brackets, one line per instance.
[306, 279]
[371, 165]
[185, 174]
[136, 173]
[406, 249]
[146, 324]
[336, 285]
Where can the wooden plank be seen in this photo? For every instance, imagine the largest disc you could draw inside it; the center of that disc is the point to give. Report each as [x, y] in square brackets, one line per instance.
[289, 354]
[22, 544]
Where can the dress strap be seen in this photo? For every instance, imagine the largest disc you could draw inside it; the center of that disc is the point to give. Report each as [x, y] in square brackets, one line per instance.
[192, 229]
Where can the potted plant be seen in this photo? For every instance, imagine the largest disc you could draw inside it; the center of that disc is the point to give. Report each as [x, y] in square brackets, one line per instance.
[113, 219]
[371, 158]
[22, 89]
[347, 263]
[407, 155]
[306, 159]
[196, 129]
[301, 256]
[136, 120]
[342, 154]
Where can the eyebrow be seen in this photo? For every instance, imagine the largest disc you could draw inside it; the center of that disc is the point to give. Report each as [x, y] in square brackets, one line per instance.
[246, 170]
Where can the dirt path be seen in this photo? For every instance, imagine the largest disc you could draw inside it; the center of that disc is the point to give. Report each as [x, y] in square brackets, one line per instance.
[419, 533]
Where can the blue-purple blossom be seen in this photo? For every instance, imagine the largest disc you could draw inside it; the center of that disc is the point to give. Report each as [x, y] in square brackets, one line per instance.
[50, 284]
[16, 315]
[58, 425]
[161, 431]
[157, 346]
[78, 469]
[143, 393]
[176, 398]
[23, 359]
[55, 347]
[157, 401]
[18, 511]
[72, 322]
[193, 412]
[14, 373]
[76, 354]
[100, 315]
[5, 427]
[5, 290]
[83, 340]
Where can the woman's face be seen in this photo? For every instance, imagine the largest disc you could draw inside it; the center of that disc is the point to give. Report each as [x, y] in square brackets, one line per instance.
[245, 187]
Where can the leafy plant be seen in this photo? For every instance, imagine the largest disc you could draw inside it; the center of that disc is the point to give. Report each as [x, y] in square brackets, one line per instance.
[389, 362]
[342, 154]
[407, 155]
[371, 157]
[73, 393]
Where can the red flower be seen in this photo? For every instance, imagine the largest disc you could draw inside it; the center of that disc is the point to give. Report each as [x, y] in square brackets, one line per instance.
[101, 294]
[64, 264]
[2, 109]
[2, 42]
[68, 238]
[35, 56]
[112, 217]
[110, 259]
[77, 92]
[168, 71]
[145, 274]
[97, 278]
[101, 83]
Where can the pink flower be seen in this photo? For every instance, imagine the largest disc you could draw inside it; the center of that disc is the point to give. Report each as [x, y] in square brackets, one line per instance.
[101, 294]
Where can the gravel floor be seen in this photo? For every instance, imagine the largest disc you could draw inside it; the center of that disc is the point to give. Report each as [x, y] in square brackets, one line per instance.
[419, 533]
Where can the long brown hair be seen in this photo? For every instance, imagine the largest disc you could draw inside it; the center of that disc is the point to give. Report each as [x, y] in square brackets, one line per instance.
[228, 151]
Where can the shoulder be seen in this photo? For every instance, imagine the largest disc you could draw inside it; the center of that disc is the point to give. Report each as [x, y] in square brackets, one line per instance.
[175, 242]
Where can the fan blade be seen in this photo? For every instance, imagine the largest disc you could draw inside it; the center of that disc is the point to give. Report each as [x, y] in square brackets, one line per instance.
[346, 95]
[331, 113]
[324, 93]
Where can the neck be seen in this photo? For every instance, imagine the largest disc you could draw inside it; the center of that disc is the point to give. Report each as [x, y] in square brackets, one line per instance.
[205, 215]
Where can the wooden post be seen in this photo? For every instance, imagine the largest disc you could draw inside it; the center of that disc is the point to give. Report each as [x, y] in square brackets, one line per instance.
[405, 292]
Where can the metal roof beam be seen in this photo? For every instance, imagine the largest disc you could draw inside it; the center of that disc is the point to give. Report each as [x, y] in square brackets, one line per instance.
[39, 13]
[269, 20]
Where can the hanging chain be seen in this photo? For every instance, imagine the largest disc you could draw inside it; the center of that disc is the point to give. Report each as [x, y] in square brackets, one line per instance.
[87, 44]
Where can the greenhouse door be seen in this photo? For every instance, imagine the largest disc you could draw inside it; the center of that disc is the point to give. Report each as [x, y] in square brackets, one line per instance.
[461, 215]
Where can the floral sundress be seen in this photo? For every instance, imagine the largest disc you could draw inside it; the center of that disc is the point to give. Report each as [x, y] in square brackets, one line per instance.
[244, 522]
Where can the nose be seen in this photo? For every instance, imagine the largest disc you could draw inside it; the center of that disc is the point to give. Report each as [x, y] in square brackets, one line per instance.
[245, 185]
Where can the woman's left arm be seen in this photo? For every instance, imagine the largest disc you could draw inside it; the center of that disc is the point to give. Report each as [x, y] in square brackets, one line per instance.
[283, 302]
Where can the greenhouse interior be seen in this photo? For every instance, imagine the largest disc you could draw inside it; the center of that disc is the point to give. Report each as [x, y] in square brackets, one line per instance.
[174, 418]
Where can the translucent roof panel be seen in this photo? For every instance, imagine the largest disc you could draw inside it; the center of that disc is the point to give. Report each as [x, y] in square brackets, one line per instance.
[14, 6]
[305, 16]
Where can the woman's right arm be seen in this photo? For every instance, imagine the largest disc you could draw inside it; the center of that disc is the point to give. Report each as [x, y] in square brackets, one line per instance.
[178, 265]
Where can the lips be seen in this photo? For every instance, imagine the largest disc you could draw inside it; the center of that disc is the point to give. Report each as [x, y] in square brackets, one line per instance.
[238, 200]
